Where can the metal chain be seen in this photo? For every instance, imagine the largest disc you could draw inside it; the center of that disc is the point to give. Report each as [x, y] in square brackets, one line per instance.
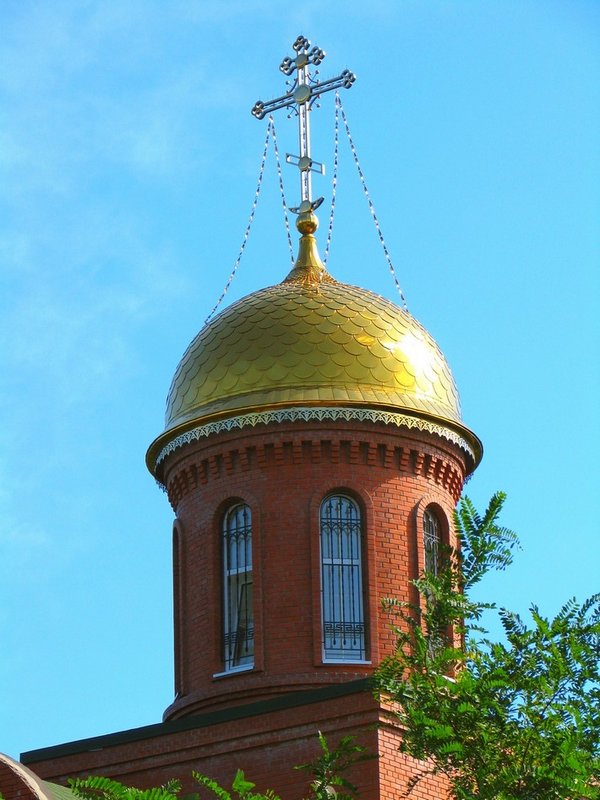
[335, 175]
[280, 176]
[248, 226]
[372, 209]
[339, 109]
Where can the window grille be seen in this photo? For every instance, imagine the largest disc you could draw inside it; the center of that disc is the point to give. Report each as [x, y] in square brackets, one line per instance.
[342, 580]
[238, 610]
[431, 541]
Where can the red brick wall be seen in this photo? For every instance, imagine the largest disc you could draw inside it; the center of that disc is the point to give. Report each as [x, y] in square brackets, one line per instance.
[283, 472]
[266, 748]
[401, 776]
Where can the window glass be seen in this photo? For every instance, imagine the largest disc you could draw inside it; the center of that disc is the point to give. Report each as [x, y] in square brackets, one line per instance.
[342, 580]
[238, 616]
[431, 541]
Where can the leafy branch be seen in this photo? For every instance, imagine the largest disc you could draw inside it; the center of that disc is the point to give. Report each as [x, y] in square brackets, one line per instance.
[518, 719]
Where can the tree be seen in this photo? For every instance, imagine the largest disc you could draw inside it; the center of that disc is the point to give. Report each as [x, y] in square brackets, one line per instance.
[518, 719]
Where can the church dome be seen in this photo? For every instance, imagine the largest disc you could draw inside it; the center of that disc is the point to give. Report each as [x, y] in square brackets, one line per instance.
[311, 342]
[290, 344]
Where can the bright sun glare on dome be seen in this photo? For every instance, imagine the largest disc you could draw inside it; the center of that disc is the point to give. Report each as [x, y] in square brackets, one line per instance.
[417, 354]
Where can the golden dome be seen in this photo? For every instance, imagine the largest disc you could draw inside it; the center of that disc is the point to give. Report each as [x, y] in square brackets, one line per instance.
[298, 344]
[310, 341]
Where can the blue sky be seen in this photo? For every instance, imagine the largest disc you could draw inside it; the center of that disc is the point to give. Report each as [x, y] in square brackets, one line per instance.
[129, 161]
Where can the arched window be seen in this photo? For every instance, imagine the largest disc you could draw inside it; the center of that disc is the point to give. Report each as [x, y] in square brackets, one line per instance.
[431, 541]
[341, 580]
[238, 611]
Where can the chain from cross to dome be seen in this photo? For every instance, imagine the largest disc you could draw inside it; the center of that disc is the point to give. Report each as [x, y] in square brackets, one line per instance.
[271, 134]
[261, 173]
[334, 177]
[281, 191]
[303, 92]
[370, 202]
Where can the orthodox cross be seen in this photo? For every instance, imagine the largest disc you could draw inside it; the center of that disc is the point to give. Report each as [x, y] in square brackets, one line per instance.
[302, 94]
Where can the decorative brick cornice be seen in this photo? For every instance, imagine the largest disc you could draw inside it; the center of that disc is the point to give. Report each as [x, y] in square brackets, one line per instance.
[244, 455]
[320, 414]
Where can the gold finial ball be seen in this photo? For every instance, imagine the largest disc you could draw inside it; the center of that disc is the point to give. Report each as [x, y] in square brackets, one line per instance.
[307, 223]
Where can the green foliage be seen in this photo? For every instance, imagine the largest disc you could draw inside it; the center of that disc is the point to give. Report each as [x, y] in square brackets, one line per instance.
[241, 788]
[98, 788]
[485, 544]
[328, 769]
[518, 720]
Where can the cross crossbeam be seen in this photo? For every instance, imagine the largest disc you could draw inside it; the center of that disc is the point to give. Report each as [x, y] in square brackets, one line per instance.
[302, 94]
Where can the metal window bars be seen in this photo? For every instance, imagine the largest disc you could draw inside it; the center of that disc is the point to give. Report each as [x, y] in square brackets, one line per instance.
[341, 580]
[238, 607]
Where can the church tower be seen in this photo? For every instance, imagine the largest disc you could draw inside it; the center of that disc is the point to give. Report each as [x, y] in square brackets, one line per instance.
[313, 454]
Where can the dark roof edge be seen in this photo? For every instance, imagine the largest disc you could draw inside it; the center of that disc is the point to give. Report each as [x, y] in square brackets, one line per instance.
[281, 703]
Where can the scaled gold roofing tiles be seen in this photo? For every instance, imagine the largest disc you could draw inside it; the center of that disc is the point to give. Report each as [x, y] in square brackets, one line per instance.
[290, 343]
[331, 371]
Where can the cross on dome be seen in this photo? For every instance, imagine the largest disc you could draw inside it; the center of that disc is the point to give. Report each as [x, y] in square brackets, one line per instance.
[303, 92]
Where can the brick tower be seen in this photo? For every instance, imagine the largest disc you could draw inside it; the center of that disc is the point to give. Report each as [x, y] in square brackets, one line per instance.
[313, 433]
[313, 454]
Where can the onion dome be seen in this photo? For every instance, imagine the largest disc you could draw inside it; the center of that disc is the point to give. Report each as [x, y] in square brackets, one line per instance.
[308, 344]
